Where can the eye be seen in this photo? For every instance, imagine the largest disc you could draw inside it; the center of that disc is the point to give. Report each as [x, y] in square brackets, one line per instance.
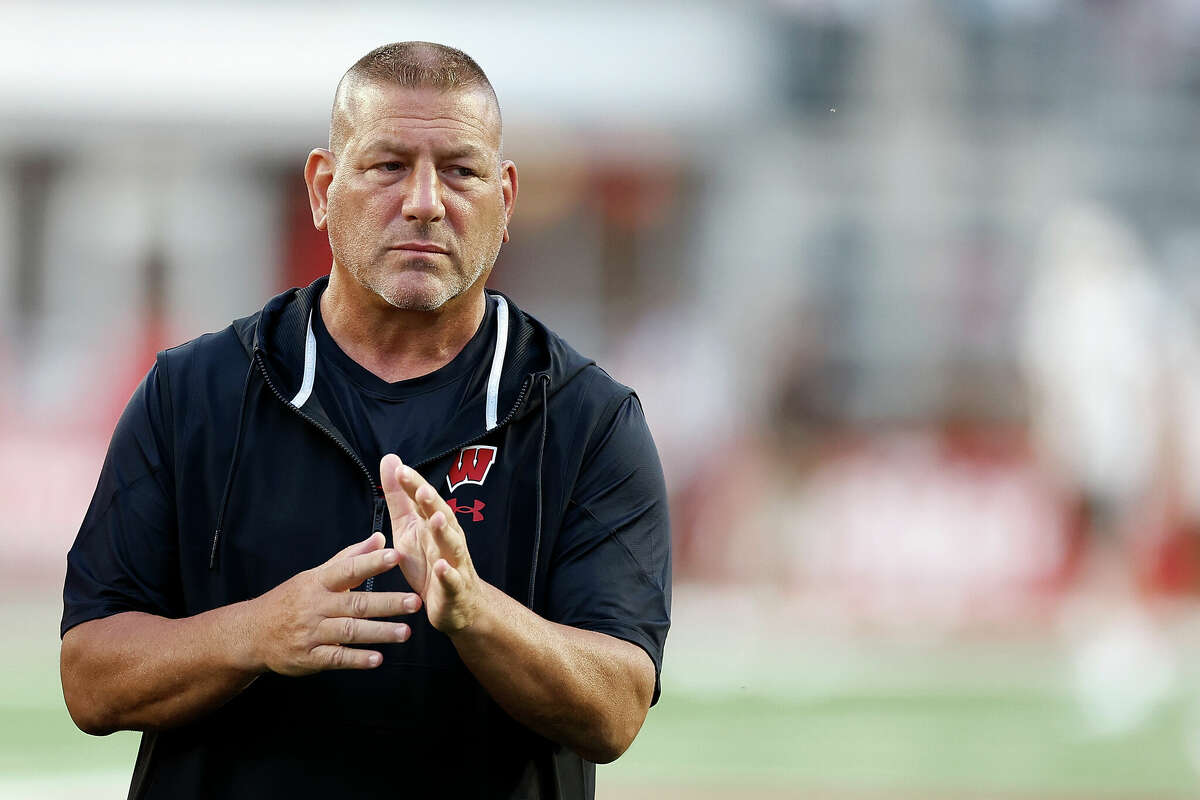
[391, 166]
[463, 172]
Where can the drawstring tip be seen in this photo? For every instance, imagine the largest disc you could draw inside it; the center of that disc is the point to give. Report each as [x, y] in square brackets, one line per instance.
[212, 555]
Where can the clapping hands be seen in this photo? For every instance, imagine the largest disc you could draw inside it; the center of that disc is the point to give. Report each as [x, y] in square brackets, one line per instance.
[432, 548]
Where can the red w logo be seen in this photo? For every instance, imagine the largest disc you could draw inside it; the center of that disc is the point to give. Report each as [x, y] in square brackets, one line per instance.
[471, 466]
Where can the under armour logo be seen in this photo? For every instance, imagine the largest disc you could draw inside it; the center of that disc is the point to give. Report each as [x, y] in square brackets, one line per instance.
[474, 510]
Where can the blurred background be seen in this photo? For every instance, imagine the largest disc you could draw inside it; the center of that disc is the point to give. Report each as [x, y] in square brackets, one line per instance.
[909, 292]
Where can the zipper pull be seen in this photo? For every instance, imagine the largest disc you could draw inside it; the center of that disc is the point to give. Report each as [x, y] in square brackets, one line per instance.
[380, 508]
[376, 524]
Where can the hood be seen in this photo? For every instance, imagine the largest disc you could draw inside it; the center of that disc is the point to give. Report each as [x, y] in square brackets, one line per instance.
[531, 353]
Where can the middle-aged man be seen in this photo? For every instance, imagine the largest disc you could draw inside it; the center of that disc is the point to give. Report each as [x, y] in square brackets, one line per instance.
[234, 591]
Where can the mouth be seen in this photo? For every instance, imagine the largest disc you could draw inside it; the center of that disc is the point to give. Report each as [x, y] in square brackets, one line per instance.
[421, 247]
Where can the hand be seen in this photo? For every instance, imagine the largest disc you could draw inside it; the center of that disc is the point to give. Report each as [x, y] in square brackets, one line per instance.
[433, 549]
[299, 627]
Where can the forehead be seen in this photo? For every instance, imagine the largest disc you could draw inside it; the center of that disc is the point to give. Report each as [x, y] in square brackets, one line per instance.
[380, 114]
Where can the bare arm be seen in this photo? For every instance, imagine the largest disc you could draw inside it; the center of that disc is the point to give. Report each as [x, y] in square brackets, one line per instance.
[138, 671]
[143, 672]
[587, 690]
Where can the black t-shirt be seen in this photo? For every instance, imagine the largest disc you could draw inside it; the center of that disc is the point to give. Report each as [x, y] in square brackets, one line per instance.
[378, 417]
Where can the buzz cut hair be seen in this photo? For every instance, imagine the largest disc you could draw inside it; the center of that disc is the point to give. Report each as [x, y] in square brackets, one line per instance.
[411, 65]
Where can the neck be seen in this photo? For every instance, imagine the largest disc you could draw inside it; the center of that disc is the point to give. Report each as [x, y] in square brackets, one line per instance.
[392, 343]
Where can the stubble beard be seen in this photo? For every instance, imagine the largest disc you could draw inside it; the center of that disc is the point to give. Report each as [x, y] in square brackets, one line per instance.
[429, 298]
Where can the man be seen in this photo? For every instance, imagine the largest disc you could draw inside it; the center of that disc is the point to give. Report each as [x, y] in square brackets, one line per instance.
[236, 590]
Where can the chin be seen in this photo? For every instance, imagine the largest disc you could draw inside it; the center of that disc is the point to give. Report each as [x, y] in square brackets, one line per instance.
[416, 295]
[415, 288]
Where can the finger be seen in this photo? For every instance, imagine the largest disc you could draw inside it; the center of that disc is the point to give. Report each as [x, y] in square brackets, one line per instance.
[330, 656]
[450, 578]
[338, 576]
[449, 539]
[430, 502]
[348, 630]
[400, 505]
[450, 543]
[424, 496]
[414, 486]
[373, 542]
[365, 605]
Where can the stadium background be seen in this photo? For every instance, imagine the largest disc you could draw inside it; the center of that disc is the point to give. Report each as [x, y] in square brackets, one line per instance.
[908, 289]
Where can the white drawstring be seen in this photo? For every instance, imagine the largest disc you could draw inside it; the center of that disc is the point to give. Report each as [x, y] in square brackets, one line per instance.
[493, 384]
[310, 366]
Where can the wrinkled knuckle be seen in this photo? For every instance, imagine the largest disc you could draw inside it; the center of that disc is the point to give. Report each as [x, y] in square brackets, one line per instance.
[337, 657]
[347, 634]
[304, 659]
[359, 603]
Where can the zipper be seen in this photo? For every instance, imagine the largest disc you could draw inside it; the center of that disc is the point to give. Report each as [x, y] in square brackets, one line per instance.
[380, 505]
[376, 524]
[375, 490]
[525, 384]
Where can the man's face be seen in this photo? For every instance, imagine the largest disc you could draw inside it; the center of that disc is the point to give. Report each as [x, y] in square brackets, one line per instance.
[419, 200]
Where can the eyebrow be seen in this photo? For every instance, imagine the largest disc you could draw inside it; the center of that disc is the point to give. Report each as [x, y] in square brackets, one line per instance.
[463, 151]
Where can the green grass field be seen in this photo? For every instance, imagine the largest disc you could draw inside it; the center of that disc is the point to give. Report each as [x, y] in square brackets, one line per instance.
[964, 722]
[948, 744]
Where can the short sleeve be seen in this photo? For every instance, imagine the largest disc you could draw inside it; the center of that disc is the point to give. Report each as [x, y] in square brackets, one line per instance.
[611, 569]
[125, 555]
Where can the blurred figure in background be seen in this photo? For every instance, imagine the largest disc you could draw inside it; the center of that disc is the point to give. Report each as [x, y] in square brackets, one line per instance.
[1111, 362]
[1108, 352]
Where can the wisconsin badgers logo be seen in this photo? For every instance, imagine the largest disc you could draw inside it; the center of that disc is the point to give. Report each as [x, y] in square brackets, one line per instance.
[471, 466]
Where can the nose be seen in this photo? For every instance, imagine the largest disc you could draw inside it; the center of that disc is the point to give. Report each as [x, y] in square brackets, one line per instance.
[423, 200]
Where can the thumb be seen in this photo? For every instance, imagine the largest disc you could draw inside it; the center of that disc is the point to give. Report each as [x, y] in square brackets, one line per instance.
[451, 578]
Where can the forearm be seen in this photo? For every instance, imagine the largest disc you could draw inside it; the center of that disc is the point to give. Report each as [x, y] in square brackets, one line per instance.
[135, 671]
[586, 690]
[141, 671]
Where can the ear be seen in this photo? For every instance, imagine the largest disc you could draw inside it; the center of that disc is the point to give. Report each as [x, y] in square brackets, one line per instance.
[318, 174]
[508, 185]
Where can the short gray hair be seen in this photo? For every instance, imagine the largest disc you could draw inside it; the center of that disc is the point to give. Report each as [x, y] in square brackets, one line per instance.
[413, 65]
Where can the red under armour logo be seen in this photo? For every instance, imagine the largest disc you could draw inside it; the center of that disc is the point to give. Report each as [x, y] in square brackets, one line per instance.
[473, 510]
[471, 466]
